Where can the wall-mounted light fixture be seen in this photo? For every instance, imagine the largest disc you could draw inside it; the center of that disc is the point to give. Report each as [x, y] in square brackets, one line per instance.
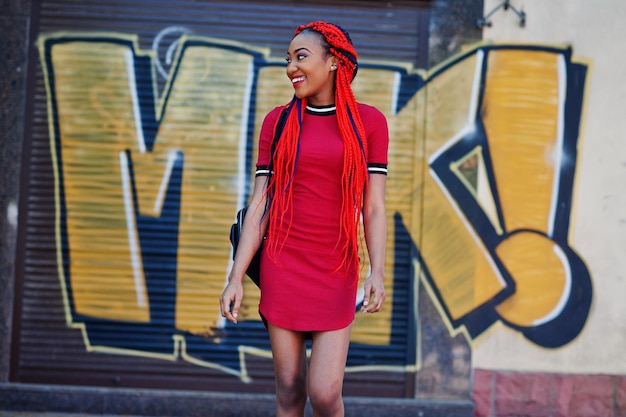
[484, 21]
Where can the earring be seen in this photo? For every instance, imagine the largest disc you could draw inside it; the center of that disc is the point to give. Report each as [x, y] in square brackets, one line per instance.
[333, 67]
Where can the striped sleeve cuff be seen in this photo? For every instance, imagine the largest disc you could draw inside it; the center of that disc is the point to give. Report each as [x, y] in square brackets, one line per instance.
[262, 171]
[377, 169]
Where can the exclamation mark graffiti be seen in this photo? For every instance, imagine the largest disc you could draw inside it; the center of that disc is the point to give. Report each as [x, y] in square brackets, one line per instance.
[510, 176]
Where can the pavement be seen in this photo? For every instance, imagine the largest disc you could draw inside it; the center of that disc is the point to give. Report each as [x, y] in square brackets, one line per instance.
[46, 414]
[56, 414]
[38, 400]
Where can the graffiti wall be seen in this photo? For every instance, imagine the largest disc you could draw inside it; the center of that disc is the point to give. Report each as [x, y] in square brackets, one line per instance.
[596, 222]
[483, 162]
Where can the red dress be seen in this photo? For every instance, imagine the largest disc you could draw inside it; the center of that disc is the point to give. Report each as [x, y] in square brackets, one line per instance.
[303, 290]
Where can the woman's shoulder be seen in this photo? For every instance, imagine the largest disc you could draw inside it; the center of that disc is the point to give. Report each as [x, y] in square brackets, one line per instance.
[369, 111]
[373, 119]
[273, 115]
[275, 112]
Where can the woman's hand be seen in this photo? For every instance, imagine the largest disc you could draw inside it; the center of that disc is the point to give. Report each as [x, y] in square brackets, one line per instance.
[253, 227]
[231, 298]
[376, 239]
[374, 293]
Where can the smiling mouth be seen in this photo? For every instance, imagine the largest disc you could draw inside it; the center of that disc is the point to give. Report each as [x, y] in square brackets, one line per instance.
[297, 80]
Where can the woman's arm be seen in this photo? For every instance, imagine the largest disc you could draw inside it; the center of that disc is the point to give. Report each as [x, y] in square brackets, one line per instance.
[376, 240]
[252, 233]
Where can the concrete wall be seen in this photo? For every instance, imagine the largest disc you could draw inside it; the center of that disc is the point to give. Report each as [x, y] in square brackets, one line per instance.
[588, 376]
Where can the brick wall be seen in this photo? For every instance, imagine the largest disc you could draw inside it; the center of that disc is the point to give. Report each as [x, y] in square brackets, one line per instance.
[515, 394]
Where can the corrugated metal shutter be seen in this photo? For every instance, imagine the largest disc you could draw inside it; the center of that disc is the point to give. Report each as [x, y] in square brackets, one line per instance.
[396, 30]
[50, 351]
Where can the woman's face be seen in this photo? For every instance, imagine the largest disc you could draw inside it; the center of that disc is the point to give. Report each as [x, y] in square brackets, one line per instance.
[310, 69]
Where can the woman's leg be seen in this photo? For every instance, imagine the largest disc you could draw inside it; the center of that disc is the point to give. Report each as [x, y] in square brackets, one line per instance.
[289, 356]
[326, 371]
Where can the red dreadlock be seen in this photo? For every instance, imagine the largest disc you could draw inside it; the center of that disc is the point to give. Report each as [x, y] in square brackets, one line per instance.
[354, 176]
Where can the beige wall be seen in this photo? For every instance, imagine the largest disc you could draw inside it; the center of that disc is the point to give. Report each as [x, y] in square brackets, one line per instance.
[595, 31]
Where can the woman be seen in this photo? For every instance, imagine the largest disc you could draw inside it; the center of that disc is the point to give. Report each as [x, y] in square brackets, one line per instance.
[309, 195]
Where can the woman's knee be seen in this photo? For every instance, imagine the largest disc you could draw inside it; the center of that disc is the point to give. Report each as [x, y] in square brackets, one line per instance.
[291, 390]
[326, 399]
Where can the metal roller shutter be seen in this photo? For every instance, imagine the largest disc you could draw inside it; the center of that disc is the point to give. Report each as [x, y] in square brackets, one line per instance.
[69, 334]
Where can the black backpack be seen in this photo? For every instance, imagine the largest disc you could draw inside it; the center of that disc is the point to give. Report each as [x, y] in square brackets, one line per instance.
[254, 268]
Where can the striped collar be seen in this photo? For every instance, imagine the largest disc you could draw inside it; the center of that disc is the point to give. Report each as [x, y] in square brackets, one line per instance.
[321, 110]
